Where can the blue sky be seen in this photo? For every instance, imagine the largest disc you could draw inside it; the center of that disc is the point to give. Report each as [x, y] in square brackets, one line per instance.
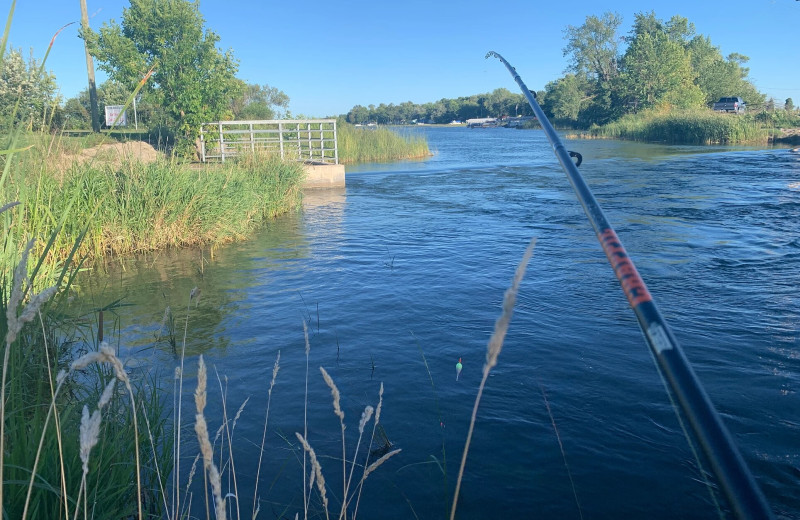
[331, 55]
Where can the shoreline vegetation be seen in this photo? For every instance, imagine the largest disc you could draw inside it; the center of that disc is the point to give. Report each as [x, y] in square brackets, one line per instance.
[378, 145]
[695, 127]
[121, 205]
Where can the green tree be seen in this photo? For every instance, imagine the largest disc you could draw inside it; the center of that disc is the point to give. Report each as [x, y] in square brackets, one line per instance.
[721, 77]
[358, 115]
[26, 92]
[259, 102]
[656, 67]
[566, 97]
[788, 105]
[192, 81]
[593, 46]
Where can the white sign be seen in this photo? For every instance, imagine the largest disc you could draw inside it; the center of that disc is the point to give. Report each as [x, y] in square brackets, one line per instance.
[114, 111]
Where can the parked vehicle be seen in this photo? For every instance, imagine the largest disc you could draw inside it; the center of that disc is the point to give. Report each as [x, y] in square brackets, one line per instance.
[730, 104]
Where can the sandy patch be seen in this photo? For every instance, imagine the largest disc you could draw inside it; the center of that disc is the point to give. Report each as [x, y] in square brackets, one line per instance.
[113, 154]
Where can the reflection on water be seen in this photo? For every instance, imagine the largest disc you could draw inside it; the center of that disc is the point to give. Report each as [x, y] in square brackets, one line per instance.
[402, 273]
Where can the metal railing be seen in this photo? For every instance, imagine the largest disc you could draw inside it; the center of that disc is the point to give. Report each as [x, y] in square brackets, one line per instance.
[307, 140]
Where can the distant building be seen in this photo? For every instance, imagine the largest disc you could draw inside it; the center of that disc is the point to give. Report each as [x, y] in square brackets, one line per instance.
[482, 122]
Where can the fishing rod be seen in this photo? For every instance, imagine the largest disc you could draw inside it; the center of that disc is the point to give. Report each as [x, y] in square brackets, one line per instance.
[738, 484]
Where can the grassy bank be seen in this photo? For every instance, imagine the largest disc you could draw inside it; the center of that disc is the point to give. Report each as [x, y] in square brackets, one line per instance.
[127, 206]
[685, 127]
[378, 144]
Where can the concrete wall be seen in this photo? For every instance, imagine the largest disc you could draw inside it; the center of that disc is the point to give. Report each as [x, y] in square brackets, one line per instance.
[324, 176]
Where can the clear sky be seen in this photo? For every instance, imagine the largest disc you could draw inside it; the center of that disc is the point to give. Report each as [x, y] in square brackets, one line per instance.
[331, 55]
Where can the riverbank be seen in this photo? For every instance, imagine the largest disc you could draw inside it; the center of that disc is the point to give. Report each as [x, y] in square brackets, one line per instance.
[123, 203]
[684, 127]
[702, 127]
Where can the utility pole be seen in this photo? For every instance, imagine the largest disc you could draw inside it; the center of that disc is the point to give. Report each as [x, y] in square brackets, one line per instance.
[90, 68]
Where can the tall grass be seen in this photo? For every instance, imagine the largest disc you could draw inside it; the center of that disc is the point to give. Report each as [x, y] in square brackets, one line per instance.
[378, 144]
[129, 207]
[57, 460]
[685, 127]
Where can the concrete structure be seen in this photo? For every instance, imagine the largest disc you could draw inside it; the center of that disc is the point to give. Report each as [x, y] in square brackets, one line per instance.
[323, 175]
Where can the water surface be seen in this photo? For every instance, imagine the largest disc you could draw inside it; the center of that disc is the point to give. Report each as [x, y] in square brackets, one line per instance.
[408, 265]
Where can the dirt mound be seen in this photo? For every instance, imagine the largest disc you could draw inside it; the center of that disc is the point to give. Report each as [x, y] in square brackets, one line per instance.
[114, 154]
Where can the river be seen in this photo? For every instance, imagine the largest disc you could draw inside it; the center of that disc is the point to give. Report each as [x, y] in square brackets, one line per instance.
[402, 274]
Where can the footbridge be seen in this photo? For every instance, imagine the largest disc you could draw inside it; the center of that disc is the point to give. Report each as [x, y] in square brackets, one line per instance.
[313, 142]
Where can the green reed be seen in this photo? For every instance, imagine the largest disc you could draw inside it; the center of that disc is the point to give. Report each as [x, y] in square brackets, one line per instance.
[686, 127]
[378, 144]
[129, 207]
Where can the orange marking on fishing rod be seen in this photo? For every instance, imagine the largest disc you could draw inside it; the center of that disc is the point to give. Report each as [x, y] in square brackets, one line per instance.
[632, 283]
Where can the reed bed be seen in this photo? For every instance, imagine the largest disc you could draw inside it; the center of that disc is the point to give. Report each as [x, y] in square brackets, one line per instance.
[129, 206]
[378, 144]
[67, 445]
[685, 127]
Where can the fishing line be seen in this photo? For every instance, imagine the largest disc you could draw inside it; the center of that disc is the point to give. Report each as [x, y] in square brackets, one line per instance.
[563, 453]
[738, 484]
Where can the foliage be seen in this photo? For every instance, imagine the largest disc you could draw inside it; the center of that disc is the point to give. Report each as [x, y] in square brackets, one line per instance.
[77, 110]
[788, 105]
[46, 470]
[258, 103]
[136, 207]
[27, 92]
[192, 81]
[566, 97]
[697, 126]
[378, 144]
[497, 103]
[657, 69]
[778, 118]
[593, 47]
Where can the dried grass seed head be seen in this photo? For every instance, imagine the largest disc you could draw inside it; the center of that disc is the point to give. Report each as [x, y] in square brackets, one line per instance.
[337, 409]
[200, 391]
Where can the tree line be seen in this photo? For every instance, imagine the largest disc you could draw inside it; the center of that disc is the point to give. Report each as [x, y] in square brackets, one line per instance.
[493, 104]
[664, 64]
